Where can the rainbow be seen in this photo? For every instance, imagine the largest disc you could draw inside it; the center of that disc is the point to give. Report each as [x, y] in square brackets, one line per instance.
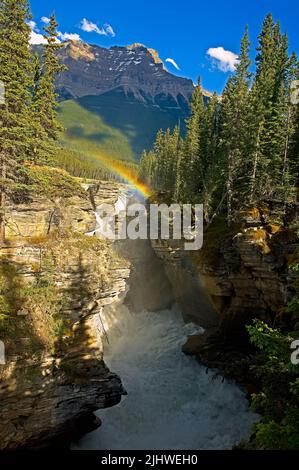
[128, 174]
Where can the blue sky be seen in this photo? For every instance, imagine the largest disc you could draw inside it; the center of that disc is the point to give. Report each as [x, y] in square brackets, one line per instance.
[180, 30]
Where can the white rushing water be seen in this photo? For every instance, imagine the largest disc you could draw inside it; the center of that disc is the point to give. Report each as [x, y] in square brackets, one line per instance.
[172, 402]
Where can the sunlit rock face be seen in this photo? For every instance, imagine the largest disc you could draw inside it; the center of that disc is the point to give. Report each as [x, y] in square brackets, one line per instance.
[40, 214]
[136, 69]
[94, 70]
[49, 391]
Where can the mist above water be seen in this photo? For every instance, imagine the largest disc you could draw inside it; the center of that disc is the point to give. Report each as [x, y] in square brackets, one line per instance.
[172, 402]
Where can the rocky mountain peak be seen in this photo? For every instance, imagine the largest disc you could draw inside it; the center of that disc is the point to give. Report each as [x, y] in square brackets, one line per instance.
[137, 69]
[78, 50]
[152, 52]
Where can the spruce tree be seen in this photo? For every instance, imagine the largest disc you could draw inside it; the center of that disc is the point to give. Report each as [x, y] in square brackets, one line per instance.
[270, 118]
[179, 153]
[291, 161]
[159, 149]
[233, 123]
[148, 168]
[40, 140]
[260, 99]
[211, 176]
[15, 74]
[173, 147]
[243, 148]
[191, 162]
[273, 145]
[45, 99]
[37, 74]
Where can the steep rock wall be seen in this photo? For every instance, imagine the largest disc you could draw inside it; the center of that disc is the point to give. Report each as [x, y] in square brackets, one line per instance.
[50, 391]
[244, 274]
[187, 285]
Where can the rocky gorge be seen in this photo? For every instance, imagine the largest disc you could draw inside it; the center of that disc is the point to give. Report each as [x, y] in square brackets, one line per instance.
[55, 375]
[243, 273]
[60, 281]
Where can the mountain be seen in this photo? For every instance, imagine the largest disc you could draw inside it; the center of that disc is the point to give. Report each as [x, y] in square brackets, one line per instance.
[113, 101]
[114, 124]
[94, 70]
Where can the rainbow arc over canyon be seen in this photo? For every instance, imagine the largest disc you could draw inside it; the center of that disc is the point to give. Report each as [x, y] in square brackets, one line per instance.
[128, 174]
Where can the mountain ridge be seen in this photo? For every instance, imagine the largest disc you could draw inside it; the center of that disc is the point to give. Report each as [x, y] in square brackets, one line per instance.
[113, 101]
[94, 70]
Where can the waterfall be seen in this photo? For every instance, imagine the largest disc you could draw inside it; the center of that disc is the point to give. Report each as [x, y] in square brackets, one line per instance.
[172, 402]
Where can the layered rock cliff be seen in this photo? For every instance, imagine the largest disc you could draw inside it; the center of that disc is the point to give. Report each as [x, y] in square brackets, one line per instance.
[94, 70]
[54, 284]
[242, 273]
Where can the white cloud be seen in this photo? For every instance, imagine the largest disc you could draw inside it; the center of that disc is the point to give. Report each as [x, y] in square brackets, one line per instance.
[173, 62]
[68, 36]
[45, 19]
[36, 38]
[90, 27]
[109, 30]
[225, 61]
[32, 25]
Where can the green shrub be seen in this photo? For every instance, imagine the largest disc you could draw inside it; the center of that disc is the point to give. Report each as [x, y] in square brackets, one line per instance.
[278, 400]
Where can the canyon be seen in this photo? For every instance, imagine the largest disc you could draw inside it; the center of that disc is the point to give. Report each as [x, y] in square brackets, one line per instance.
[49, 392]
[49, 396]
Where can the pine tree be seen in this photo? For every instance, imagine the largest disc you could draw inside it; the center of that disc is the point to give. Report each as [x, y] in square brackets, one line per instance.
[270, 116]
[40, 140]
[243, 148]
[211, 176]
[148, 168]
[45, 99]
[15, 73]
[233, 123]
[173, 147]
[260, 98]
[191, 163]
[291, 160]
[159, 149]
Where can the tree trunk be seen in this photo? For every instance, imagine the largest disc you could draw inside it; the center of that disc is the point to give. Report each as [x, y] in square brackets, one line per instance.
[286, 149]
[2, 201]
[229, 191]
[285, 160]
[253, 177]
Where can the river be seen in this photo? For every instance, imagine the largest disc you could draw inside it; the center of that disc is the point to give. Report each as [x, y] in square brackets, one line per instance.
[173, 402]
